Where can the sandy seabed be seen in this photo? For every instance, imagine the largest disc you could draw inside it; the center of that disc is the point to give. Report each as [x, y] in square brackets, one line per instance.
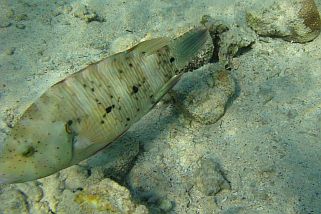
[262, 156]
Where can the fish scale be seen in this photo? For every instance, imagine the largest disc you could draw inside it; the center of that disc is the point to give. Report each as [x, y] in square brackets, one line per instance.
[88, 110]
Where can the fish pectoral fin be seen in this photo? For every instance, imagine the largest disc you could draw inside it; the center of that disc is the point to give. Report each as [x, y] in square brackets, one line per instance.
[92, 129]
[90, 137]
[170, 84]
[149, 47]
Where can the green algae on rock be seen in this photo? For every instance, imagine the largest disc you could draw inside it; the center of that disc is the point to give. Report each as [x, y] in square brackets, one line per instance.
[295, 20]
[100, 198]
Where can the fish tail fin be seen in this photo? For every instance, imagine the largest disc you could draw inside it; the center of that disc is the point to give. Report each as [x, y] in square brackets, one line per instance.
[187, 46]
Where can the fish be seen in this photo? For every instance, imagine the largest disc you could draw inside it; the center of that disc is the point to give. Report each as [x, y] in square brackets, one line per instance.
[88, 110]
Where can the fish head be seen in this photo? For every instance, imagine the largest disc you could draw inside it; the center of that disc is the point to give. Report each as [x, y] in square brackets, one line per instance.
[34, 149]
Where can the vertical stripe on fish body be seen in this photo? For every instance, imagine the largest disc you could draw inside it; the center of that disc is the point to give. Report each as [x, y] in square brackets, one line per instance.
[88, 110]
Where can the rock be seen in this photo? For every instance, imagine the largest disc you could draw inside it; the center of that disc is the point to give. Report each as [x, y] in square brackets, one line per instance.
[165, 205]
[203, 94]
[86, 14]
[291, 20]
[31, 190]
[13, 201]
[233, 42]
[199, 203]
[20, 26]
[52, 188]
[74, 177]
[229, 41]
[21, 17]
[105, 196]
[10, 51]
[6, 15]
[214, 26]
[209, 178]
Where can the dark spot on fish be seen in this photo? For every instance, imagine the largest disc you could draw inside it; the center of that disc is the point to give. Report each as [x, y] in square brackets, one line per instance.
[172, 59]
[130, 65]
[120, 71]
[108, 109]
[29, 151]
[128, 119]
[92, 89]
[138, 109]
[119, 108]
[102, 122]
[57, 147]
[84, 85]
[38, 141]
[135, 89]
[104, 115]
[143, 52]
[97, 101]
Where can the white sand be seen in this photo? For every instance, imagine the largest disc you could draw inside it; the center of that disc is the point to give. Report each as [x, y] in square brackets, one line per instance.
[267, 144]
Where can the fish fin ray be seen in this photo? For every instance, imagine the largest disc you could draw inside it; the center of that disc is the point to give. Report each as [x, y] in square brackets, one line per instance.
[149, 47]
[185, 47]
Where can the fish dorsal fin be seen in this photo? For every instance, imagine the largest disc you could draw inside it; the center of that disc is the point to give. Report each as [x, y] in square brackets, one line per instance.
[185, 47]
[149, 46]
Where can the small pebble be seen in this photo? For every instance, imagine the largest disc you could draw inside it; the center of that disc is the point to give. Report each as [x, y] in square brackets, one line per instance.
[10, 51]
[21, 17]
[20, 26]
[165, 205]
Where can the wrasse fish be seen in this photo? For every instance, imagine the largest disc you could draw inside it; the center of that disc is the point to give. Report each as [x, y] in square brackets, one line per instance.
[89, 109]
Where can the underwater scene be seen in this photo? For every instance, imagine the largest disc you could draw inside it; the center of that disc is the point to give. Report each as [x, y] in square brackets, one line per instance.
[160, 106]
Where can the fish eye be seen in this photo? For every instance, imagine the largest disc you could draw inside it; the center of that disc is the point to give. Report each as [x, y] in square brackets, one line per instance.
[67, 127]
